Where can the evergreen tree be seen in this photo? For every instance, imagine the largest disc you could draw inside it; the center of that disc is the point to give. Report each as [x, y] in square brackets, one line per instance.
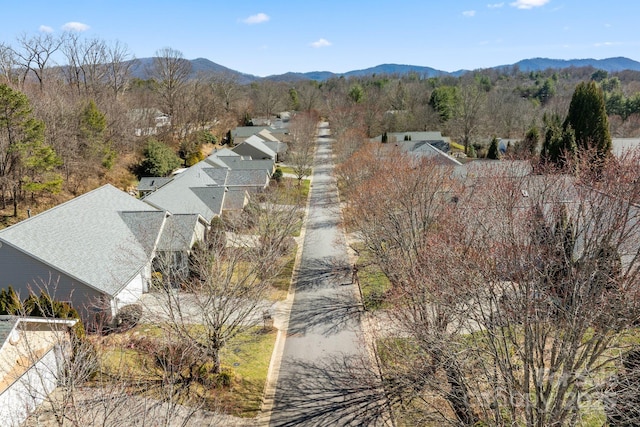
[93, 143]
[494, 150]
[471, 153]
[25, 158]
[159, 160]
[294, 99]
[559, 146]
[444, 101]
[9, 302]
[587, 117]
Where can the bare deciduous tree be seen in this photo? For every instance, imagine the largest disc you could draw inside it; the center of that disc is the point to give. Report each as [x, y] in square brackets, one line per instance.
[303, 131]
[230, 279]
[513, 298]
[171, 71]
[35, 54]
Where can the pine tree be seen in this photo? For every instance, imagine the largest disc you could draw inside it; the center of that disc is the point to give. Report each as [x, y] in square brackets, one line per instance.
[25, 157]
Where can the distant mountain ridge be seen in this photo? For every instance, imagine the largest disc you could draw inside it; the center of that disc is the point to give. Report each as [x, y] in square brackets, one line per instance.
[205, 66]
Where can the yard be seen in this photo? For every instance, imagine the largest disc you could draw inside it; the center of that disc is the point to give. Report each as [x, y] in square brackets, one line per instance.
[134, 356]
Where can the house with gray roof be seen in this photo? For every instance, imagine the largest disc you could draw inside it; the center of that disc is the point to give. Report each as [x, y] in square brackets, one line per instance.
[180, 234]
[241, 133]
[434, 137]
[424, 149]
[198, 190]
[255, 147]
[253, 180]
[94, 251]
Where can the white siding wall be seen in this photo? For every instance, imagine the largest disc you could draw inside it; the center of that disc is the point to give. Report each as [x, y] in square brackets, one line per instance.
[131, 293]
[29, 391]
[199, 233]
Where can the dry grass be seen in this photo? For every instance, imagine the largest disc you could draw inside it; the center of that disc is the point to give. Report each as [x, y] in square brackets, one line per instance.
[246, 359]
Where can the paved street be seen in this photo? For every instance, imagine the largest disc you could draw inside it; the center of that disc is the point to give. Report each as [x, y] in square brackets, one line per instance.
[325, 374]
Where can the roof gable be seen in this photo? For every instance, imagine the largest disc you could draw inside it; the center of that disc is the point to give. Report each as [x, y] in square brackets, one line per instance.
[265, 134]
[178, 232]
[257, 144]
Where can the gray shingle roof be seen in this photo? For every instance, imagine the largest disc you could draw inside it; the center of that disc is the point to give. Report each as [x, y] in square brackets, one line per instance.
[258, 144]
[224, 152]
[415, 136]
[277, 146]
[218, 175]
[7, 323]
[152, 183]
[426, 149]
[235, 199]
[238, 163]
[178, 232]
[248, 178]
[194, 191]
[102, 238]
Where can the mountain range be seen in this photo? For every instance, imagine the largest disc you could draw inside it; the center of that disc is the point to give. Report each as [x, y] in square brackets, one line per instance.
[204, 66]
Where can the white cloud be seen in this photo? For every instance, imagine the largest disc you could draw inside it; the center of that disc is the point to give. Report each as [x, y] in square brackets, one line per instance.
[605, 44]
[469, 13]
[75, 26]
[321, 43]
[529, 4]
[258, 18]
[495, 5]
[45, 29]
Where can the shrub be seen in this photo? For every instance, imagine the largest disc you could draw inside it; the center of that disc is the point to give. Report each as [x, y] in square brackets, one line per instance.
[128, 317]
[277, 175]
[224, 378]
[9, 302]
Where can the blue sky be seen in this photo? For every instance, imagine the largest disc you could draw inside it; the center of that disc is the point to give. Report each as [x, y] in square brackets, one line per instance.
[273, 37]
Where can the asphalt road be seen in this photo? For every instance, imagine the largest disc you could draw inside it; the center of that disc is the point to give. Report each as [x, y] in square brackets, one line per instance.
[325, 377]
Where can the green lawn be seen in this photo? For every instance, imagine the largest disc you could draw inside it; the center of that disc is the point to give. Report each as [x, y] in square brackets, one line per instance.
[373, 282]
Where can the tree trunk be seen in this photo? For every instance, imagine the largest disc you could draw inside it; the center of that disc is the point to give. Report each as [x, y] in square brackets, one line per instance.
[216, 361]
[15, 202]
[458, 397]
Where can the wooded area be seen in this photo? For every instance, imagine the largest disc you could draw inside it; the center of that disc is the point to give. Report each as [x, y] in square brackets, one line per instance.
[87, 120]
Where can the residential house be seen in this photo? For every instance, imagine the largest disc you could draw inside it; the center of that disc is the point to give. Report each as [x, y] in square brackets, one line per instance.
[255, 147]
[148, 121]
[433, 137]
[94, 251]
[421, 149]
[32, 354]
[197, 190]
[180, 234]
[240, 133]
[274, 144]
